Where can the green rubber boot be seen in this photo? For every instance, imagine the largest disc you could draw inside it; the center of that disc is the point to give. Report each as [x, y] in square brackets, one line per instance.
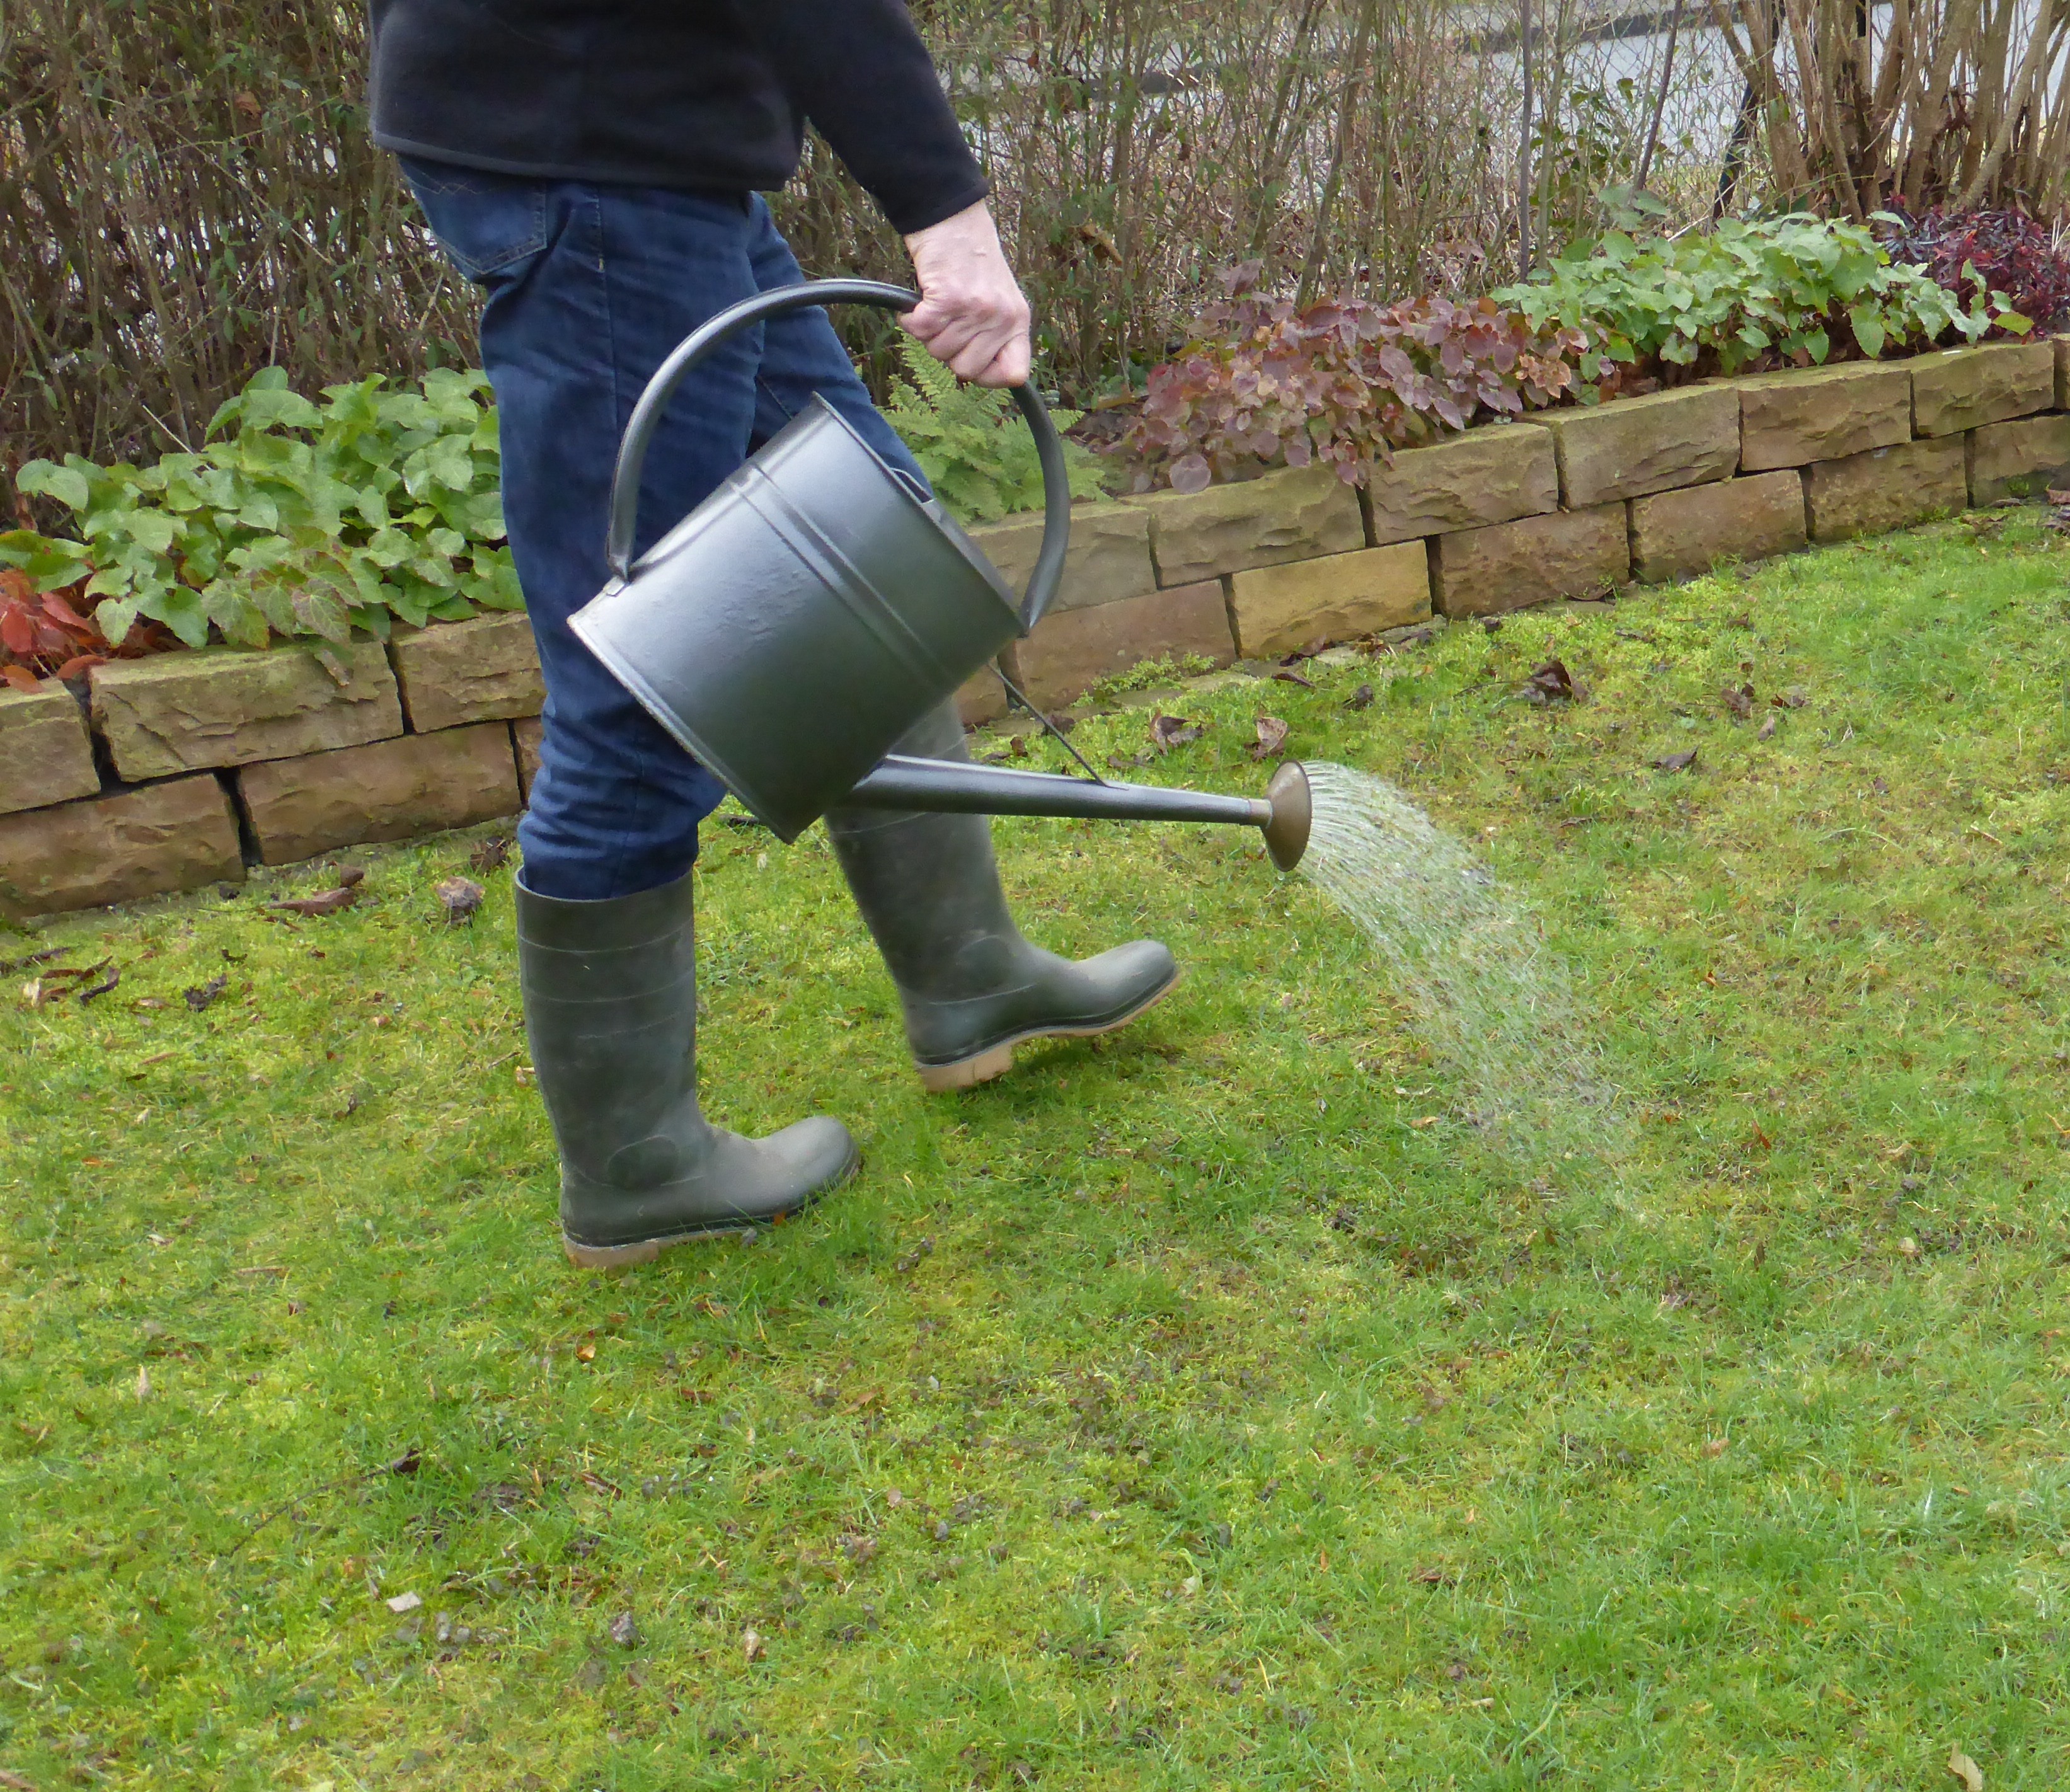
[971, 988]
[610, 1005]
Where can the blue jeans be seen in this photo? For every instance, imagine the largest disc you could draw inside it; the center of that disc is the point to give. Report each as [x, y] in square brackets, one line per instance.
[588, 286]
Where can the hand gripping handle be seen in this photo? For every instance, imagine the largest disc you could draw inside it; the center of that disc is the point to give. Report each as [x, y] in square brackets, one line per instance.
[647, 416]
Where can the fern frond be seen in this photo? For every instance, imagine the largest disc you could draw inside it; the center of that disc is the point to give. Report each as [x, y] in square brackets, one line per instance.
[936, 383]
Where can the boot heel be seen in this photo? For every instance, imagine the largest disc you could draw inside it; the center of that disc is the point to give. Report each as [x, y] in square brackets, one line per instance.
[612, 1257]
[939, 1079]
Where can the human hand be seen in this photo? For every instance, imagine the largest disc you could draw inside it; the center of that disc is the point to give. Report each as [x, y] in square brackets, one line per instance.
[972, 316]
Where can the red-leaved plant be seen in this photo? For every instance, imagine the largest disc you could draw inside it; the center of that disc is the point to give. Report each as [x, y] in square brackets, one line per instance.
[1341, 382]
[1993, 251]
[41, 635]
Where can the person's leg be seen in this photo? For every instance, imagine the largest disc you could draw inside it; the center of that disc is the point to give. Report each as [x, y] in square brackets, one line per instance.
[801, 355]
[971, 986]
[589, 287]
[927, 885]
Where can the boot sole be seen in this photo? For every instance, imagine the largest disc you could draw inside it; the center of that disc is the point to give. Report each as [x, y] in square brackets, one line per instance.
[645, 1250]
[995, 1061]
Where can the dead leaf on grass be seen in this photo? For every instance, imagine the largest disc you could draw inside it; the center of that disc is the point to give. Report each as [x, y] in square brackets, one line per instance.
[1168, 731]
[492, 854]
[330, 902]
[1293, 678]
[750, 1644]
[624, 1632]
[1361, 697]
[460, 897]
[1739, 699]
[1271, 738]
[202, 995]
[1551, 682]
[1766, 731]
[1966, 1770]
[1793, 698]
[1674, 762]
[1433, 1575]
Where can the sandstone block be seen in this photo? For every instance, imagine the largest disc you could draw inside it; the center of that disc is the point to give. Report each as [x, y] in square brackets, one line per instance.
[1109, 559]
[1071, 650]
[1678, 534]
[1959, 389]
[525, 736]
[485, 670]
[1490, 475]
[183, 712]
[981, 699]
[1886, 488]
[1278, 609]
[1484, 572]
[391, 790]
[1796, 416]
[46, 754]
[1293, 514]
[176, 835]
[2061, 345]
[1631, 447]
[2023, 458]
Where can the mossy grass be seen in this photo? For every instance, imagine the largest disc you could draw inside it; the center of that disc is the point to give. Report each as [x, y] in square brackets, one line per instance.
[1179, 1412]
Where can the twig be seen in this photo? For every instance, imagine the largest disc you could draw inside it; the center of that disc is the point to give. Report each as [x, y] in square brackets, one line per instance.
[1660, 99]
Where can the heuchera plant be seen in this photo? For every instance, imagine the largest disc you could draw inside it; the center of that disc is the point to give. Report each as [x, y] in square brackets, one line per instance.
[1341, 382]
[1993, 251]
[43, 636]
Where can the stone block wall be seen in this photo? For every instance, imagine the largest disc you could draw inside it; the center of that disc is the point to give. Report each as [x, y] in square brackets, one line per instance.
[183, 770]
[180, 771]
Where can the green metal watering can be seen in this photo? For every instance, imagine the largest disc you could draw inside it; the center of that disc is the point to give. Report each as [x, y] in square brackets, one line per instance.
[798, 622]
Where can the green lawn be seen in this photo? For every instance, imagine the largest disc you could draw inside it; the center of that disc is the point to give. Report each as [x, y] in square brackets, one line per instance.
[1175, 1412]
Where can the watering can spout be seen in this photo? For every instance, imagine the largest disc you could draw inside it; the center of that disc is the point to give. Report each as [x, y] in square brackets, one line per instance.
[950, 786]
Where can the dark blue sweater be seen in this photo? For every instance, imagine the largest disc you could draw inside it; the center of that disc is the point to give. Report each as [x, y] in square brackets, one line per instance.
[681, 93]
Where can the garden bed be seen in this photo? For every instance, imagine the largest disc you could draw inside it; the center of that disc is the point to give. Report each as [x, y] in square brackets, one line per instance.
[183, 769]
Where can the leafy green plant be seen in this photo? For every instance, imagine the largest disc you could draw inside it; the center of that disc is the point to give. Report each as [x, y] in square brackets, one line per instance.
[1793, 289]
[971, 443]
[1342, 382]
[296, 518]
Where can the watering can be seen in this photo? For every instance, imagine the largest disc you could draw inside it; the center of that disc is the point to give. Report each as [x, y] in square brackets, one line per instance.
[798, 622]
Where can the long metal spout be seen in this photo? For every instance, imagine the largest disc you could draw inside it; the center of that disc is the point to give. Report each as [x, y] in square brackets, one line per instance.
[953, 787]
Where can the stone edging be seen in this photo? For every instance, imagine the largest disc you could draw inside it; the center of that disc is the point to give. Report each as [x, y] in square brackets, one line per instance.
[179, 771]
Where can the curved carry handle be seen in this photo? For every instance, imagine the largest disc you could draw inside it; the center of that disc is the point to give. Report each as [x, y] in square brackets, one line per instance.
[1049, 571]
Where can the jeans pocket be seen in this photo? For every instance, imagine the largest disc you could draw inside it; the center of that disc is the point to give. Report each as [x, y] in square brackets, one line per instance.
[486, 223]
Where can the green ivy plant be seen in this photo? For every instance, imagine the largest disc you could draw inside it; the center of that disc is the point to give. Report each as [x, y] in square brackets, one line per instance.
[1793, 289]
[295, 518]
[973, 446]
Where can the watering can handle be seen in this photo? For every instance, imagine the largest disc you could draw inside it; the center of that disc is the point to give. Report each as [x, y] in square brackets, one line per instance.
[647, 414]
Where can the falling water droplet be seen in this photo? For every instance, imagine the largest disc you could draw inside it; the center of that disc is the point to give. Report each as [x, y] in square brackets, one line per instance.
[1467, 956]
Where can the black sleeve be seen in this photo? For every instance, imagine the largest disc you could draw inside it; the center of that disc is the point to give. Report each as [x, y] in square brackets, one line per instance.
[858, 71]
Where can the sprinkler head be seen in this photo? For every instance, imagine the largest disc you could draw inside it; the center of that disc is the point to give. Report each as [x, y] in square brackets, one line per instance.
[1293, 809]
